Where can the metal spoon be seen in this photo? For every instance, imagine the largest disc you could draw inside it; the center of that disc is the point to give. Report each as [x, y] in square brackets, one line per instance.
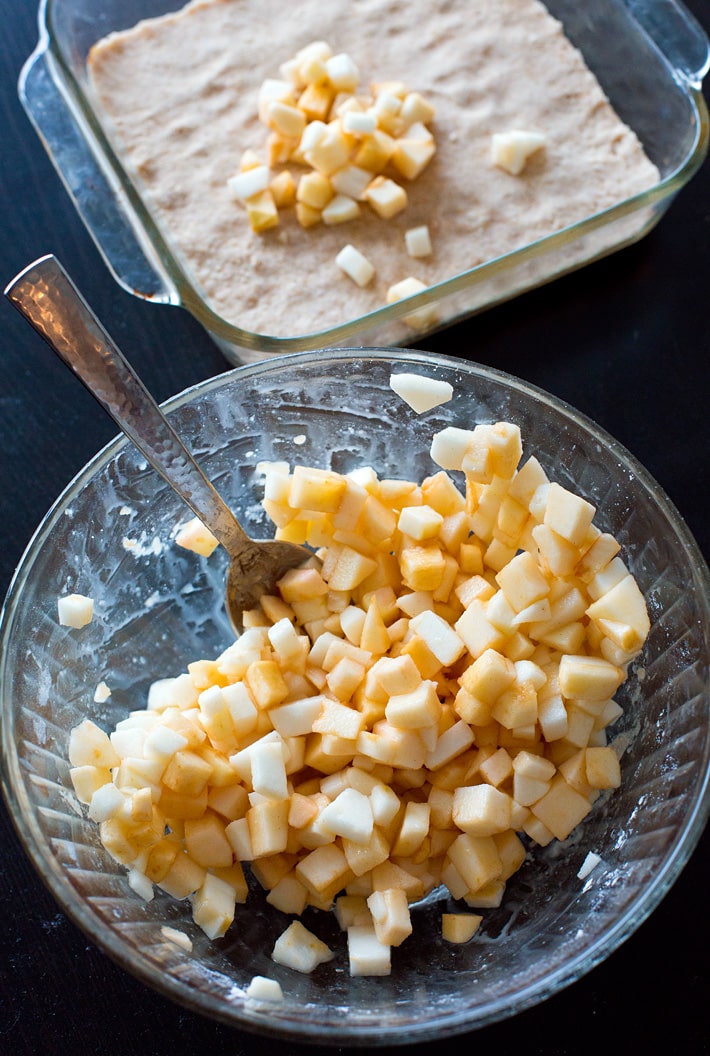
[45, 295]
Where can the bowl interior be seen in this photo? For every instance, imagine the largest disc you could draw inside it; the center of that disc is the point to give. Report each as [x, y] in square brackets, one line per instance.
[158, 607]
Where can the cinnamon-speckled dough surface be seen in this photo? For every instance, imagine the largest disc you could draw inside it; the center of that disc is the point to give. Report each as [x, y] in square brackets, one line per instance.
[178, 98]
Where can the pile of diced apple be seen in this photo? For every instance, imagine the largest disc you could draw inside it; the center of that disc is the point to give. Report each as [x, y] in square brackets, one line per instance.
[355, 146]
[436, 683]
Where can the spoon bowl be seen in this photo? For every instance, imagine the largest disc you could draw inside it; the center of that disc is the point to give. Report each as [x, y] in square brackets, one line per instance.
[47, 297]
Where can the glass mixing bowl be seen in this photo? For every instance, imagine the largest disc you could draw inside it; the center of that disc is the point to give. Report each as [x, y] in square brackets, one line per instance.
[158, 607]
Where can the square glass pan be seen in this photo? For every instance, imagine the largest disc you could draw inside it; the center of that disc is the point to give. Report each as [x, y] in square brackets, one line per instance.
[650, 57]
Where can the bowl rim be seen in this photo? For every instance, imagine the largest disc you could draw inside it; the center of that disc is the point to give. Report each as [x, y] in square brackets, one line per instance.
[53, 875]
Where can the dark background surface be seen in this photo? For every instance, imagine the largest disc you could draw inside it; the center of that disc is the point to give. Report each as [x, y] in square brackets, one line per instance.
[625, 341]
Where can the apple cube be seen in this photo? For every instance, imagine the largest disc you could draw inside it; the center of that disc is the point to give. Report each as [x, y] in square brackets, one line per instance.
[451, 743]
[420, 522]
[416, 709]
[265, 683]
[268, 769]
[296, 718]
[497, 768]
[604, 548]
[366, 954]
[481, 810]
[421, 393]
[187, 773]
[522, 582]
[511, 851]
[394, 675]
[300, 949]
[75, 610]
[316, 489]
[324, 871]
[526, 481]
[602, 767]
[229, 801]
[561, 808]
[449, 446]
[459, 927]
[286, 642]
[567, 514]
[183, 878]
[302, 584]
[87, 779]
[528, 790]
[591, 861]
[441, 493]
[588, 678]
[107, 801]
[623, 603]
[346, 569]
[477, 632]
[440, 638]
[267, 823]
[511, 150]
[237, 832]
[262, 988]
[195, 536]
[339, 720]
[422, 567]
[390, 916]
[385, 804]
[160, 858]
[413, 830]
[349, 815]
[351, 910]
[489, 896]
[488, 676]
[374, 635]
[517, 706]
[476, 859]
[213, 906]
[391, 875]
[361, 857]
[557, 554]
[344, 678]
[537, 831]
[89, 745]
[206, 842]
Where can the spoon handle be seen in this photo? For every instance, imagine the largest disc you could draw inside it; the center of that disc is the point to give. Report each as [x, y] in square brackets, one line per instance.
[51, 303]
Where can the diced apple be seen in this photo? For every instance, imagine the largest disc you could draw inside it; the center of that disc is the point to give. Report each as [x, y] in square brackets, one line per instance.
[89, 745]
[567, 514]
[459, 927]
[213, 906]
[366, 954]
[522, 582]
[588, 677]
[418, 708]
[300, 949]
[420, 392]
[349, 815]
[75, 610]
[261, 988]
[476, 858]
[195, 536]
[602, 767]
[561, 808]
[481, 810]
[390, 916]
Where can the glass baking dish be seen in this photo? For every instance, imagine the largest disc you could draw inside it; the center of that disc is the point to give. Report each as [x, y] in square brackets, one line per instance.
[649, 56]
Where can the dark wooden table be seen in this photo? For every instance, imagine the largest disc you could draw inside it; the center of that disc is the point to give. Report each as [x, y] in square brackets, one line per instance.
[626, 341]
